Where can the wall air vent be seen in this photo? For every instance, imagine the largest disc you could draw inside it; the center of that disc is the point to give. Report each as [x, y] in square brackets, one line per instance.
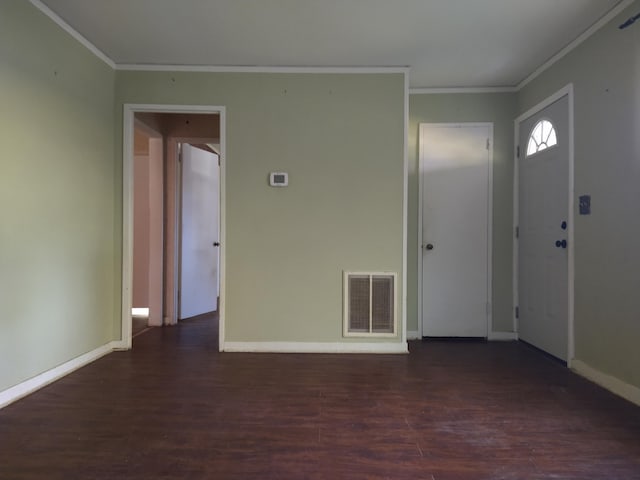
[370, 304]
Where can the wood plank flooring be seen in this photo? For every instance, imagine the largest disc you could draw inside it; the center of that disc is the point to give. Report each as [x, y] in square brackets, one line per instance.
[175, 408]
[139, 325]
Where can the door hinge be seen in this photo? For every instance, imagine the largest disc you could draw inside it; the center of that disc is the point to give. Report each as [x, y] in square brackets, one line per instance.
[518, 151]
[488, 144]
[517, 232]
[488, 308]
[517, 312]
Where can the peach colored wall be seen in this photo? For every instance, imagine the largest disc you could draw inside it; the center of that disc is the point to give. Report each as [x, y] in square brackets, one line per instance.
[192, 125]
[156, 242]
[150, 120]
[148, 227]
[171, 241]
[182, 124]
[140, 143]
[141, 231]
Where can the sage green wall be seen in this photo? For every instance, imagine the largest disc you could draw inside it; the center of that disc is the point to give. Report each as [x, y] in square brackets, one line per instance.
[340, 137]
[498, 108]
[605, 72]
[56, 196]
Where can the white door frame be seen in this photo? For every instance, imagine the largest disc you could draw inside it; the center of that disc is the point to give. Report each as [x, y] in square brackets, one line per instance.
[127, 209]
[489, 220]
[565, 91]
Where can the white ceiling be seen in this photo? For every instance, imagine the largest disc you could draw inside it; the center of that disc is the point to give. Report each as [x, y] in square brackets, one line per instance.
[447, 43]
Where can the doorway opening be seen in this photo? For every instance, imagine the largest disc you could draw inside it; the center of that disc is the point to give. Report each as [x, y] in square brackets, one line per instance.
[173, 216]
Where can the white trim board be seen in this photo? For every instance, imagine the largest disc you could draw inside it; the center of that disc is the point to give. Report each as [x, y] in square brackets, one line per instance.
[458, 90]
[613, 384]
[33, 384]
[315, 347]
[259, 69]
[405, 208]
[73, 32]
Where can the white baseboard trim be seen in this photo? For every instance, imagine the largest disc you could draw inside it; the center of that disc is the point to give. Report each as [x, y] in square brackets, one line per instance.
[310, 347]
[502, 336]
[119, 346]
[413, 335]
[613, 384]
[27, 387]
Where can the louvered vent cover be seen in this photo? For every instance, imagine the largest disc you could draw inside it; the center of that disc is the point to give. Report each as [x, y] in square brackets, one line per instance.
[369, 304]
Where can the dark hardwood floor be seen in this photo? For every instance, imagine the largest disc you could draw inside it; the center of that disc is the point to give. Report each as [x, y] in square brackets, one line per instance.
[175, 408]
[139, 325]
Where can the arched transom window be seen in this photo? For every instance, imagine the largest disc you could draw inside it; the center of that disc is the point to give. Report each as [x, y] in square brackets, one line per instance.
[542, 136]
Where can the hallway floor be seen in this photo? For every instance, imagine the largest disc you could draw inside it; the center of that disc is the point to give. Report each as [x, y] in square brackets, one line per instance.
[175, 408]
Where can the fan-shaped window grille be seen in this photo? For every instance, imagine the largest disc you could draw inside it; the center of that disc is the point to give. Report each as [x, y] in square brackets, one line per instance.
[542, 136]
[370, 304]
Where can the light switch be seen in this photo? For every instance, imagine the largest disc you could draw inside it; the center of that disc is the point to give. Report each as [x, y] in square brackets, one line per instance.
[585, 204]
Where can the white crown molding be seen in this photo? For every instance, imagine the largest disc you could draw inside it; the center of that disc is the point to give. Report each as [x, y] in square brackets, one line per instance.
[315, 347]
[256, 69]
[604, 20]
[74, 33]
[458, 90]
[291, 69]
[613, 384]
[610, 15]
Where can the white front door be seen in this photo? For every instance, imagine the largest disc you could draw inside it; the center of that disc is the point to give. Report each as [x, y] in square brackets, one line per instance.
[455, 169]
[199, 238]
[543, 223]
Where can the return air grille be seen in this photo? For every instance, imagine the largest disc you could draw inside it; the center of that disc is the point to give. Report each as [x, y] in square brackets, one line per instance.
[369, 304]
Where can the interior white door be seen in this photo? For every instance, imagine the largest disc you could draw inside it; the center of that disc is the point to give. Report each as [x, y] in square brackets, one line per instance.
[200, 230]
[543, 215]
[455, 165]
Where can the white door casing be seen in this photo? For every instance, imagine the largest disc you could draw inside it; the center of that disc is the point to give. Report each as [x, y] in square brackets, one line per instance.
[545, 225]
[455, 229]
[129, 111]
[199, 232]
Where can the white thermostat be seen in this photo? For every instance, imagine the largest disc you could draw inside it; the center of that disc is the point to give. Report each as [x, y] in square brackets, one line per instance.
[278, 179]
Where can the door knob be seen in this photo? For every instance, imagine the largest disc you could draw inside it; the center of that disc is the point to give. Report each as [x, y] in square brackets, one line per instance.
[429, 246]
[216, 244]
[561, 243]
